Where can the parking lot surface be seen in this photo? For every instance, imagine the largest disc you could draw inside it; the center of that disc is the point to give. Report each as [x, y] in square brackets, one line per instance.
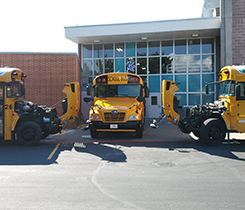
[163, 170]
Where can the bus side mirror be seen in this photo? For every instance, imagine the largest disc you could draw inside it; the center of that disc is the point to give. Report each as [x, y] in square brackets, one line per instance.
[88, 90]
[238, 91]
[140, 99]
[207, 89]
[146, 92]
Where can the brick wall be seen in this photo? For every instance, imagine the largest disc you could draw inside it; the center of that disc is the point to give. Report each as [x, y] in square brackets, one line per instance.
[238, 29]
[46, 75]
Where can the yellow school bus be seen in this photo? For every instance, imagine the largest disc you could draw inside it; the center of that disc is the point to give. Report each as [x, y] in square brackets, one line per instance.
[210, 122]
[118, 104]
[26, 122]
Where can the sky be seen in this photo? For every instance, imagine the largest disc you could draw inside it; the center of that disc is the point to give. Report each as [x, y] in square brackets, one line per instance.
[38, 25]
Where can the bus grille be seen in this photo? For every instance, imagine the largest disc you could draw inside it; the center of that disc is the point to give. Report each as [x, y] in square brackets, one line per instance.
[114, 117]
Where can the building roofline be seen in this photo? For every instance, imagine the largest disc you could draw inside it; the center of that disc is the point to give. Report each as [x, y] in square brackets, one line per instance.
[144, 22]
[135, 31]
[45, 53]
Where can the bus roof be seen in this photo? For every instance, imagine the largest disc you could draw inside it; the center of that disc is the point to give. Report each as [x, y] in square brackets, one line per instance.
[240, 69]
[6, 74]
[118, 73]
[118, 78]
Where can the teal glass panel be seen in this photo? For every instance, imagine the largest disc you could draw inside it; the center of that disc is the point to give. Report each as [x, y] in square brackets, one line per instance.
[207, 98]
[194, 83]
[193, 99]
[119, 65]
[181, 82]
[154, 84]
[167, 77]
[130, 49]
[182, 99]
[207, 78]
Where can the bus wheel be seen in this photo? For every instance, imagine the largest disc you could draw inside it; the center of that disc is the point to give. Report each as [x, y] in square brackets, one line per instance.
[93, 133]
[29, 133]
[212, 132]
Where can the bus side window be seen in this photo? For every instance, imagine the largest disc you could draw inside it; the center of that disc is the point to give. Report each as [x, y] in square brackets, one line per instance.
[240, 91]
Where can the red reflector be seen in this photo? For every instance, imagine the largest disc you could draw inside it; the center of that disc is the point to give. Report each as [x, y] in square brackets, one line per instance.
[136, 79]
[98, 80]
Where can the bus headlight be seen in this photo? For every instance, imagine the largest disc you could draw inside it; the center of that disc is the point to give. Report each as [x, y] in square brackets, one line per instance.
[175, 119]
[134, 117]
[94, 117]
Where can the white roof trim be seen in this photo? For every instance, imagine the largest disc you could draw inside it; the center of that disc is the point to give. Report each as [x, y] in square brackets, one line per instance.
[77, 33]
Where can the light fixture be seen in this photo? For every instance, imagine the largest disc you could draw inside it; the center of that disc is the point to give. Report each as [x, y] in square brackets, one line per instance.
[143, 38]
[195, 35]
[119, 49]
[96, 40]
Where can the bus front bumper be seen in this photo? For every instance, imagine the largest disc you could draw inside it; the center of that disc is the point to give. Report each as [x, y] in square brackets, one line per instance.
[115, 127]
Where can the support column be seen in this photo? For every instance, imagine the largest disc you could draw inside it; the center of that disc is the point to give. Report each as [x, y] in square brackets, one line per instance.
[226, 33]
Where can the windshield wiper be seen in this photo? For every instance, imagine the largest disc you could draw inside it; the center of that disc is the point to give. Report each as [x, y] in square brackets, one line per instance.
[126, 95]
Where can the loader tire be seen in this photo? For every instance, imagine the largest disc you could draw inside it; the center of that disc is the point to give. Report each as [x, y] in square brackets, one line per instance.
[212, 132]
[29, 133]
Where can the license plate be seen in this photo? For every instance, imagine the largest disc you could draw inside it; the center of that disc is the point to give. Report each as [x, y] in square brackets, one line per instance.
[115, 126]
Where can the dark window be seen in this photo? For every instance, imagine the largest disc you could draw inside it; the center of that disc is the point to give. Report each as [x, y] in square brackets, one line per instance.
[154, 100]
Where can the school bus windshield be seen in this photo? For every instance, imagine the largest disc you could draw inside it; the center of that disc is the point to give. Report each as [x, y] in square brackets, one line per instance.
[227, 88]
[15, 90]
[118, 90]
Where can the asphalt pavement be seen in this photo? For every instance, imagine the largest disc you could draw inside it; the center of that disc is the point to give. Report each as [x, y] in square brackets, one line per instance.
[163, 170]
[166, 132]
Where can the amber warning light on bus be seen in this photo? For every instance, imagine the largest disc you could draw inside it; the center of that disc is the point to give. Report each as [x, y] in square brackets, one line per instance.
[101, 80]
[23, 77]
[14, 75]
[132, 79]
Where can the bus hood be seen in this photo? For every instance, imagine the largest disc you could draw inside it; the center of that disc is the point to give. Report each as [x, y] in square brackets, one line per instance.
[169, 101]
[115, 103]
[71, 103]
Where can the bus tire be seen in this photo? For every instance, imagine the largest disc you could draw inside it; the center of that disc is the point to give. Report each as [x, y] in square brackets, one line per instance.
[212, 132]
[93, 133]
[29, 133]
